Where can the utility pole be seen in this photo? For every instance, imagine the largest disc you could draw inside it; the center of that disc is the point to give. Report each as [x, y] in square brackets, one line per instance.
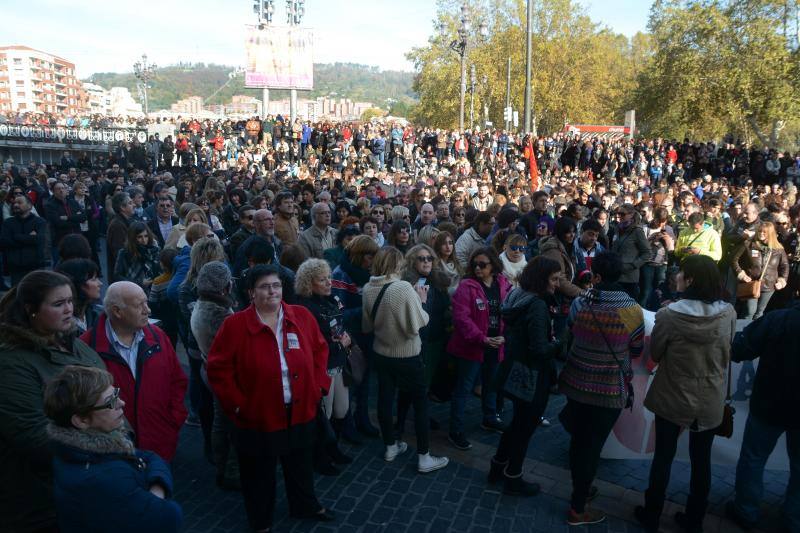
[264, 9]
[528, 45]
[471, 97]
[508, 95]
[295, 9]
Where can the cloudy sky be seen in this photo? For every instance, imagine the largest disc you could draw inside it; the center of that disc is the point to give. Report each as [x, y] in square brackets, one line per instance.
[102, 36]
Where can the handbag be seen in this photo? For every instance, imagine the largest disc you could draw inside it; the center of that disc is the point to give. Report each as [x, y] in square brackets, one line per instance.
[747, 290]
[725, 429]
[521, 382]
[355, 366]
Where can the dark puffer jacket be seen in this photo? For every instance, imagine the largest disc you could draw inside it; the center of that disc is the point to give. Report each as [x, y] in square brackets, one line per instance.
[26, 364]
[100, 479]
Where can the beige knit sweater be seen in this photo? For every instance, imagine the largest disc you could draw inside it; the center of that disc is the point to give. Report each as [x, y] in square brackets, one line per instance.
[399, 318]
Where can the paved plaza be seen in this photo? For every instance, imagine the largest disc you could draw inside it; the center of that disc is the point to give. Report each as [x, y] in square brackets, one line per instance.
[371, 495]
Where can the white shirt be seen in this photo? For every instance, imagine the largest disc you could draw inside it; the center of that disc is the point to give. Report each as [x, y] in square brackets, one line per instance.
[129, 353]
[287, 389]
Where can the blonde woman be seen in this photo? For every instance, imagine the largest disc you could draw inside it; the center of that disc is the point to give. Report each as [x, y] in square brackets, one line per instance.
[312, 287]
[513, 258]
[761, 258]
[393, 309]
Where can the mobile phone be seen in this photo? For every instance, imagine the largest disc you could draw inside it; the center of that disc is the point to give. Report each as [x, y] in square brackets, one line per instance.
[421, 282]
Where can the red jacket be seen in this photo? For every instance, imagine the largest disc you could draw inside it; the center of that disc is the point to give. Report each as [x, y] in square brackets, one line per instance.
[244, 369]
[154, 402]
[471, 319]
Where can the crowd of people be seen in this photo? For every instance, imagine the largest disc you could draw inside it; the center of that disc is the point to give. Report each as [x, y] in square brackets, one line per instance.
[298, 265]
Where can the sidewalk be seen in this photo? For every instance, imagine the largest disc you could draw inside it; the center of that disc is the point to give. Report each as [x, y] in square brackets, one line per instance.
[371, 495]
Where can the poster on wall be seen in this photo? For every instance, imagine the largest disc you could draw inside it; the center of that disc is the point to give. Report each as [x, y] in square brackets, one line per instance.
[634, 434]
[279, 57]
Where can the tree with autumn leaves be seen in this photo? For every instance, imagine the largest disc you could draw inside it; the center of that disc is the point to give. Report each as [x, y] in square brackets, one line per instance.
[704, 69]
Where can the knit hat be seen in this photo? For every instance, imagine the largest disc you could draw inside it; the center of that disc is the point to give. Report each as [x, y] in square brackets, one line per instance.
[214, 277]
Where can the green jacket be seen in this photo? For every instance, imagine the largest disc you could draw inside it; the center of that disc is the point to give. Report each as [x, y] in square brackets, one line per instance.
[26, 364]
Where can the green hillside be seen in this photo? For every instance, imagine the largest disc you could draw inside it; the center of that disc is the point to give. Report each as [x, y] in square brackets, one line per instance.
[347, 80]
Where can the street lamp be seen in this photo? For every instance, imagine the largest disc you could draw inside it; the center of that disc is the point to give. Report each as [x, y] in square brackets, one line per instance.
[144, 72]
[472, 96]
[460, 46]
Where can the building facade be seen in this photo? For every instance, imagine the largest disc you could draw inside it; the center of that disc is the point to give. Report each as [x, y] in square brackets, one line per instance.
[35, 81]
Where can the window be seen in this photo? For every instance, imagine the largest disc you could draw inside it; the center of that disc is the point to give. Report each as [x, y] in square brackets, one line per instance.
[20, 83]
[21, 94]
[17, 60]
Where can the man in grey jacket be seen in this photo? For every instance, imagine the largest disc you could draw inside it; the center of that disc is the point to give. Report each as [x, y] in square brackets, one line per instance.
[320, 236]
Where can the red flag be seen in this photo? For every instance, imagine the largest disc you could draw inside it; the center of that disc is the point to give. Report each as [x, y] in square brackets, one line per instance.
[533, 168]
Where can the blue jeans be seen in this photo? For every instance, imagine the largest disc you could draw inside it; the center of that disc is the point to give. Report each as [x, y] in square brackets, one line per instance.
[757, 445]
[467, 373]
[754, 308]
[650, 277]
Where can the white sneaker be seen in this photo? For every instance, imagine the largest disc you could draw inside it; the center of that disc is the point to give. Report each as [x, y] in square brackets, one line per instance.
[545, 422]
[393, 450]
[428, 463]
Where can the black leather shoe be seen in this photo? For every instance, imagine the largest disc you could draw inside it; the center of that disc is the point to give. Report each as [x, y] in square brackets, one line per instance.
[683, 521]
[496, 471]
[646, 520]
[323, 515]
[326, 469]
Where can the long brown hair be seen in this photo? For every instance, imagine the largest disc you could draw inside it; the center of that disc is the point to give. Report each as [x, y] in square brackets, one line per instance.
[27, 296]
[772, 236]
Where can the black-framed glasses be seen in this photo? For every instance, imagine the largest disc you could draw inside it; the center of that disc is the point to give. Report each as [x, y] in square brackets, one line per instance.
[111, 403]
[425, 259]
[481, 264]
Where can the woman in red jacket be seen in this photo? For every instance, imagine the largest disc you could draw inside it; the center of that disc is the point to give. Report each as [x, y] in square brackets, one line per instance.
[477, 339]
[268, 367]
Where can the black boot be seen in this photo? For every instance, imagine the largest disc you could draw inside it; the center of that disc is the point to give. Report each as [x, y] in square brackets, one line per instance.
[349, 432]
[336, 455]
[516, 486]
[648, 522]
[496, 471]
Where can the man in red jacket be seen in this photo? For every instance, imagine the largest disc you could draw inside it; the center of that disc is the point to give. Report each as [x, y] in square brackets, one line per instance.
[145, 368]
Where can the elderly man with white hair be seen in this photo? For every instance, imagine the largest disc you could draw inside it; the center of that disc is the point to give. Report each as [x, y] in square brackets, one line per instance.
[320, 236]
[142, 360]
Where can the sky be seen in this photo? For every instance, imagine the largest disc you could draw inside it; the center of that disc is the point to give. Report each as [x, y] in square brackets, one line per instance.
[109, 36]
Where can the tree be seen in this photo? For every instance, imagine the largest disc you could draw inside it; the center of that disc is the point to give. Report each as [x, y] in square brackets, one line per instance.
[719, 67]
[372, 112]
[581, 72]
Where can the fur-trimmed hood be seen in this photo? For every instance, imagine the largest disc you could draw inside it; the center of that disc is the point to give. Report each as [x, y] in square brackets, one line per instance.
[16, 337]
[92, 442]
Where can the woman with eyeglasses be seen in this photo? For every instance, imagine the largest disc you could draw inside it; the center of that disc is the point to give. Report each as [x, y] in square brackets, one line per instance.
[422, 270]
[400, 236]
[99, 477]
[513, 257]
[477, 340]
[36, 342]
[268, 366]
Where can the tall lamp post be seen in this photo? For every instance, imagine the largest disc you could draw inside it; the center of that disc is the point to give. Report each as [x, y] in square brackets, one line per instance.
[264, 9]
[144, 72]
[472, 81]
[295, 9]
[460, 46]
[528, 52]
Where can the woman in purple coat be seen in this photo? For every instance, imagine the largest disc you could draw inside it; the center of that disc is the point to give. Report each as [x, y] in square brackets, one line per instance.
[477, 340]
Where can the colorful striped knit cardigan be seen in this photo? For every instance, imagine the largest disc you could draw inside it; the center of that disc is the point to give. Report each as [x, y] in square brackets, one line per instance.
[591, 375]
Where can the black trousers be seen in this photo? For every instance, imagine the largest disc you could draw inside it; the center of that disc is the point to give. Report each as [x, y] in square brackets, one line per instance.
[257, 467]
[700, 442]
[406, 374]
[593, 424]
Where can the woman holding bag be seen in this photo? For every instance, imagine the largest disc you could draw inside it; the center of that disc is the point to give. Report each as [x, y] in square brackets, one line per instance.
[525, 374]
[760, 259]
[691, 343]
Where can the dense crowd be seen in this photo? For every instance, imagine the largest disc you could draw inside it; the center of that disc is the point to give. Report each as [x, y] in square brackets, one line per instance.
[299, 263]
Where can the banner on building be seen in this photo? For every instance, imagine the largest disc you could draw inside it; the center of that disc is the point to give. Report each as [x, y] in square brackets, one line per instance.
[62, 134]
[634, 434]
[279, 57]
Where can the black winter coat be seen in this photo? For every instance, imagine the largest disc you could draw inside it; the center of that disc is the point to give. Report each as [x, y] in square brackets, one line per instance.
[70, 209]
[23, 250]
[773, 338]
[329, 313]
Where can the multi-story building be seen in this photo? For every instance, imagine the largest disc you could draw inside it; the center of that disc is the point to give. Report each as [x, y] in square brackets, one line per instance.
[31, 80]
[98, 100]
[122, 103]
[190, 106]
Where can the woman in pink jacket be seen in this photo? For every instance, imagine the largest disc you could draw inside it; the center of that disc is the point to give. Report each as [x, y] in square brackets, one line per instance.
[477, 340]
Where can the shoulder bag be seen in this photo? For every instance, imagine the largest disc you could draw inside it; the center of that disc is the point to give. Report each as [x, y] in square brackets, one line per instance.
[746, 290]
[356, 365]
[626, 378]
[725, 429]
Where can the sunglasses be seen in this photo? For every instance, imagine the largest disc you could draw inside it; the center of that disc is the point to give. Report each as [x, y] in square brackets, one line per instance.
[424, 258]
[480, 264]
[516, 248]
[111, 403]
[378, 212]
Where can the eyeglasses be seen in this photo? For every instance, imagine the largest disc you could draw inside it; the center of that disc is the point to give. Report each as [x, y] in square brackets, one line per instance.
[110, 403]
[516, 248]
[480, 264]
[424, 258]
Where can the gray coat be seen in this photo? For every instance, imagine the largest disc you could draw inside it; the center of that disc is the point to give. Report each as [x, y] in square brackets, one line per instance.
[633, 248]
[207, 317]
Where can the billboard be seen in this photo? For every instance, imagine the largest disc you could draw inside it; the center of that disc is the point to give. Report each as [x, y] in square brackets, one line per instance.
[279, 57]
